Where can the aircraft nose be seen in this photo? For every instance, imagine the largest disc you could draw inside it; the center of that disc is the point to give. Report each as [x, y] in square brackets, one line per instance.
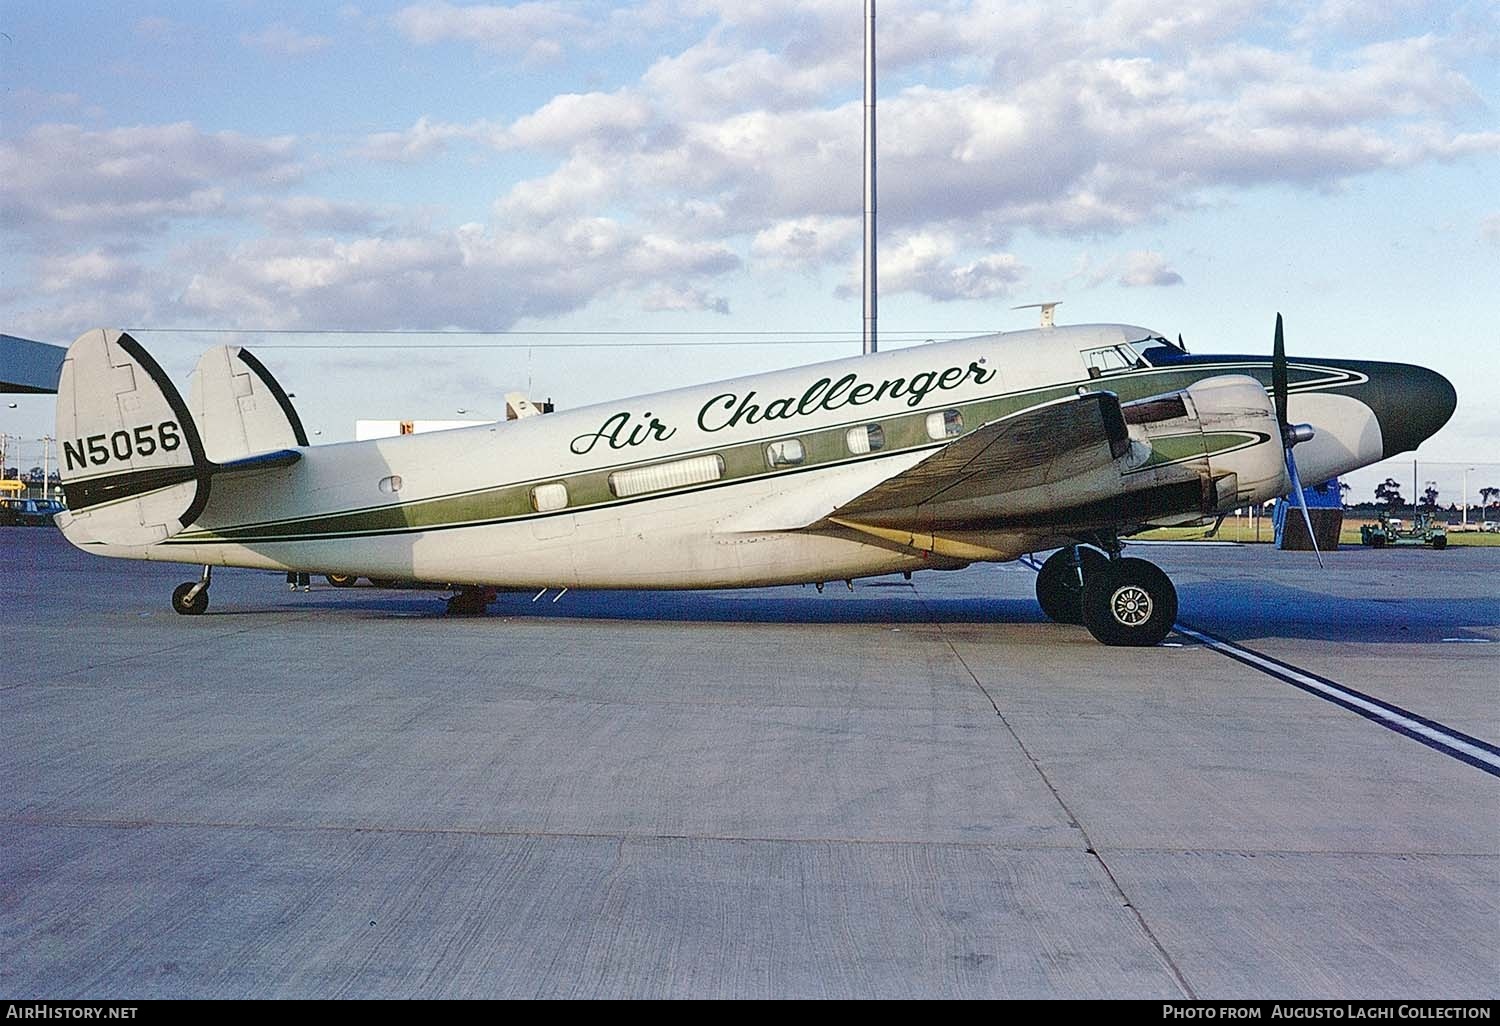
[1411, 404]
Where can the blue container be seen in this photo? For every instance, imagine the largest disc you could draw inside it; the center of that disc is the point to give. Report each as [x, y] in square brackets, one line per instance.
[1325, 506]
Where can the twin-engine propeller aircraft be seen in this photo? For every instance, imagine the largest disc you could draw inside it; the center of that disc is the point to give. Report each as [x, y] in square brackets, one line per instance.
[933, 457]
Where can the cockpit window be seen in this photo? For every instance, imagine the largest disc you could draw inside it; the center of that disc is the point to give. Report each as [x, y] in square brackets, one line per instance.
[1109, 359]
[1155, 351]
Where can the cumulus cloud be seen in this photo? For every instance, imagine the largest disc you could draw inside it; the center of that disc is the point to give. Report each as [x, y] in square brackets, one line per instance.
[929, 263]
[581, 119]
[1135, 269]
[313, 213]
[136, 179]
[673, 297]
[807, 241]
[537, 31]
[468, 277]
[426, 138]
[282, 40]
[1144, 269]
[740, 146]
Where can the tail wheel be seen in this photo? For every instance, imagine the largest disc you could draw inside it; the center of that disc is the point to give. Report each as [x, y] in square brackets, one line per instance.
[189, 606]
[1131, 602]
[341, 580]
[1058, 589]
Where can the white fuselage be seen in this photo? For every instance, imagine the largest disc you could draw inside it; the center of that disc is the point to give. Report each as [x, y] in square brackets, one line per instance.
[480, 505]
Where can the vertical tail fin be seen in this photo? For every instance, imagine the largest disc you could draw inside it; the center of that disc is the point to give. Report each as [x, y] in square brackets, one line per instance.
[240, 407]
[132, 463]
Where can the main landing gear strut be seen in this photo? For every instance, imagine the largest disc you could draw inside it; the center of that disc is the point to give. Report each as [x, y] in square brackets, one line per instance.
[1120, 599]
[191, 597]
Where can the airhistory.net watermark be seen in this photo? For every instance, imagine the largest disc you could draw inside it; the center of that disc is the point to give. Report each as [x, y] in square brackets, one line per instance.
[46, 1010]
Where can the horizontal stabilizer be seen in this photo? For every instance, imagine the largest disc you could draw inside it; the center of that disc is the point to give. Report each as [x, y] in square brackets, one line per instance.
[260, 461]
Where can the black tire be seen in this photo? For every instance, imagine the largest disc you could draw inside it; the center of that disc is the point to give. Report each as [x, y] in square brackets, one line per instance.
[1132, 602]
[470, 602]
[341, 580]
[189, 607]
[1440, 542]
[1057, 587]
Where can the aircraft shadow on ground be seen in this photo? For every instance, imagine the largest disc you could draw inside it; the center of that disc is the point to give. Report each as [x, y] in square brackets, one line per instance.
[899, 605]
[1266, 611]
[1278, 611]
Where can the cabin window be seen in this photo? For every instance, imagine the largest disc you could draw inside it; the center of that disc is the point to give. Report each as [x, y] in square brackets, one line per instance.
[391, 485]
[660, 476]
[786, 453]
[865, 438]
[548, 497]
[945, 424]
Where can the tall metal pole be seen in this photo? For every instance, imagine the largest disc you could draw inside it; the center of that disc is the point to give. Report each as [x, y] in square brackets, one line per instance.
[869, 264]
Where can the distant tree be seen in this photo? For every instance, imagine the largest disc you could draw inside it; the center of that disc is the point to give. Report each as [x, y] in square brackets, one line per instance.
[1489, 495]
[1344, 489]
[1430, 495]
[1388, 492]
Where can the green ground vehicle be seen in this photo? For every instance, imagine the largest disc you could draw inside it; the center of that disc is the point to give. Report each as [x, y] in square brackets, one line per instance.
[1390, 531]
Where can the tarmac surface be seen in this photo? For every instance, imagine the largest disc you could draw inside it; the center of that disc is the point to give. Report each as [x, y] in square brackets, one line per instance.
[913, 789]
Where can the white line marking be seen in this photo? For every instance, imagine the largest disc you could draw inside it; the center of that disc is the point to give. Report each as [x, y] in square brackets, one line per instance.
[1377, 711]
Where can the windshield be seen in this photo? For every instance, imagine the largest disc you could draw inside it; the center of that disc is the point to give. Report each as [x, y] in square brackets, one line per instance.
[1155, 350]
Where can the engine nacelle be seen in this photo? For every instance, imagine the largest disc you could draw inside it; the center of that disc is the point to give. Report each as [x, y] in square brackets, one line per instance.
[1223, 430]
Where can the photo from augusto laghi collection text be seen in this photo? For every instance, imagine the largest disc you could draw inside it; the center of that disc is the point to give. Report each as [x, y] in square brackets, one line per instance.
[1331, 1010]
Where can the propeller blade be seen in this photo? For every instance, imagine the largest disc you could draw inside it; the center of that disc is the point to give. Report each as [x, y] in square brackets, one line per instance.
[1291, 471]
[1278, 374]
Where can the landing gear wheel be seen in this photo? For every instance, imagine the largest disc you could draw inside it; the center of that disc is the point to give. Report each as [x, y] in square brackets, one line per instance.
[1130, 603]
[341, 580]
[1057, 586]
[471, 602]
[189, 606]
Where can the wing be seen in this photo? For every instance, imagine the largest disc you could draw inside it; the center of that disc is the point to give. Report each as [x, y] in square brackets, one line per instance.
[1059, 469]
[1034, 448]
[1075, 466]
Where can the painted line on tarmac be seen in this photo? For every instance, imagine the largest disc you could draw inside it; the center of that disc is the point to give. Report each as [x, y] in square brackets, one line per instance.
[1477, 753]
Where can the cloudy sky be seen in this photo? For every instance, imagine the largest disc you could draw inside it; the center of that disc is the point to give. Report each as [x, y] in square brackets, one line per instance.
[686, 170]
